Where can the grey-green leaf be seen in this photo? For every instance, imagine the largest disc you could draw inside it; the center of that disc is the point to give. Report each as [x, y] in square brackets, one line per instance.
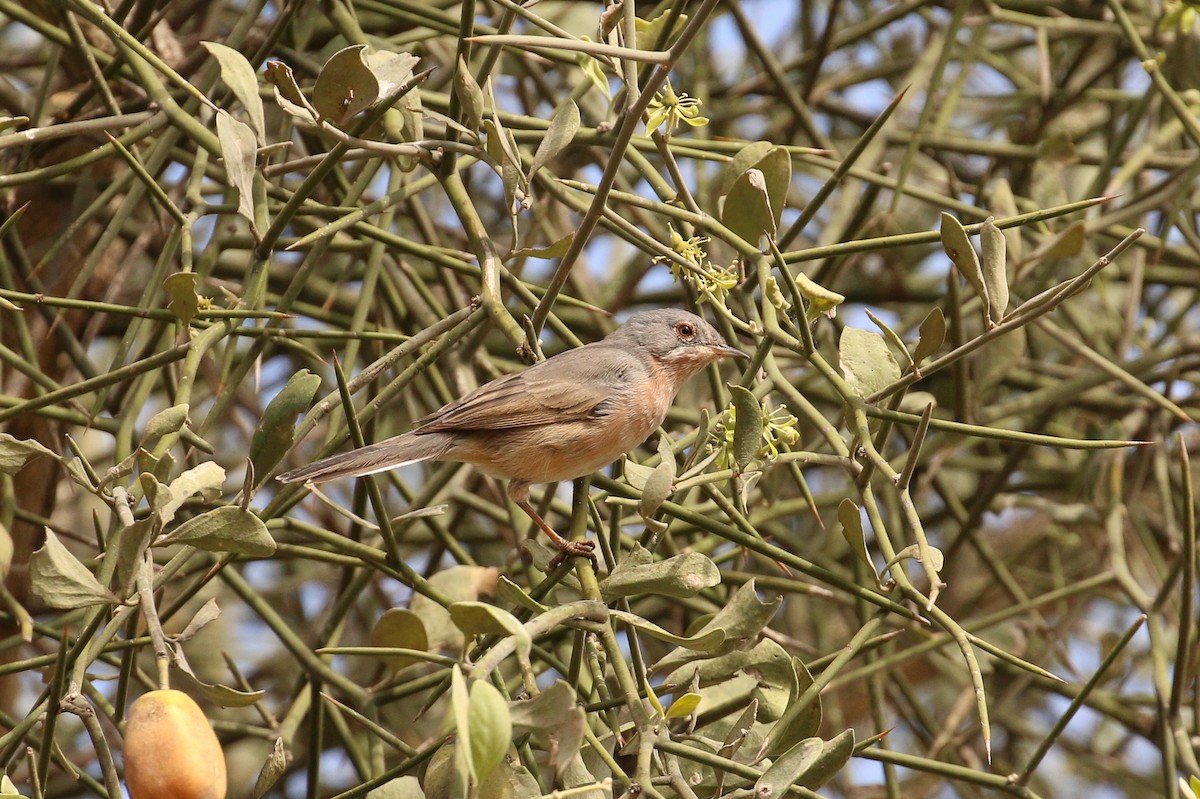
[480, 618]
[276, 430]
[406, 787]
[555, 720]
[287, 93]
[401, 629]
[834, 755]
[551, 251]
[182, 299]
[563, 127]
[995, 269]
[273, 768]
[787, 768]
[345, 85]
[226, 529]
[239, 151]
[219, 694]
[491, 728]
[932, 335]
[241, 79]
[661, 481]
[679, 576]
[892, 337]
[15, 452]
[164, 423]
[852, 531]
[866, 362]
[62, 581]
[747, 427]
[470, 96]
[958, 247]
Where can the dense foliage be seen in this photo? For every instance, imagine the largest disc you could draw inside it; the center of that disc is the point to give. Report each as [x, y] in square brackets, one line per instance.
[936, 539]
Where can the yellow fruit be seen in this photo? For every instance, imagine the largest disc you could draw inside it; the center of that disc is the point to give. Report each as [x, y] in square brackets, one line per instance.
[171, 751]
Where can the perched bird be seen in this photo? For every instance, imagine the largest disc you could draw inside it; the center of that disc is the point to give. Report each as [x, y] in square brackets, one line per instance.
[557, 420]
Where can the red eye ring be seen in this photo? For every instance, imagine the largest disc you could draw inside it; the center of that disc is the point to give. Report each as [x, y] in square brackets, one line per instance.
[685, 330]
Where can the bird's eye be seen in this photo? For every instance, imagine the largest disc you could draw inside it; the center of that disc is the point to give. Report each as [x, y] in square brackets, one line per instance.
[685, 330]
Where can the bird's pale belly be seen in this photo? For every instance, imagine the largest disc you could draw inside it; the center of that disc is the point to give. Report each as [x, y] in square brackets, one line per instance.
[561, 451]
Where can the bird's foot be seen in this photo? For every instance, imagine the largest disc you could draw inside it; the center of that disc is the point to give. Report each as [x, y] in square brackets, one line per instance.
[573, 549]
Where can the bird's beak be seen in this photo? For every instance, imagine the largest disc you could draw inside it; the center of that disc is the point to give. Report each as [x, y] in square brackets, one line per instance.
[726, 351]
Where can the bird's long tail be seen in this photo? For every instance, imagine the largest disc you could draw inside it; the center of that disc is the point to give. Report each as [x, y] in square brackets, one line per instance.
[390, 453]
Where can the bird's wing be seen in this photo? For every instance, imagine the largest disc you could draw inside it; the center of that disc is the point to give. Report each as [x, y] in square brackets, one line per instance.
[571, 386]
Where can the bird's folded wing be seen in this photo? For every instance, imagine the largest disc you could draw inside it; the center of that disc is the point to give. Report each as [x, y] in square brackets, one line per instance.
[568, 387]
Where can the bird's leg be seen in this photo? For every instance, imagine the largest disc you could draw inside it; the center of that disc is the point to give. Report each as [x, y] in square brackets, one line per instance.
[566, 548]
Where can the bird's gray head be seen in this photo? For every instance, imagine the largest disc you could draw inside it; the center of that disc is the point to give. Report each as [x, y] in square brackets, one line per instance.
[680, 341]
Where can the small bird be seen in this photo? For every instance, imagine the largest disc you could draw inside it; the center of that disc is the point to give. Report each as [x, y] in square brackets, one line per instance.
[560, 419]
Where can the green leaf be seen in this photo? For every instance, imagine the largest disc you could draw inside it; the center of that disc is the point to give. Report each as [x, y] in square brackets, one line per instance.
[683, 707]
[996, 359]
[62, 581]
[459, 718]
[932, 335]
[345, 86]
[479, 618]
[164, 423]
[287, 93]
[555, 720]
[852, 531]
[958, 247]
[458, 584]
[401, 629]
[277, 428]
[756, 197]
[510, 780]
[446, 776]
[995, 269]
[1005, 204]
[241, 79]
[226, 529]
[130, 548]
[239, 151]
[649, 31]
[470, 96]
[274, 766]
[834, 755]
[182, 299]
[680, 576]
[221, 695]
[785, 771]
[391, 70]
[892, 337]
[563, 127]
[866, 362]
[509, 591]
[742, 618]
[204, 479]
[556, 250]
[15, 453]
[6, 552]
[744, 159]
[766, 660]
[491, 728]
[913, 552]
[747, 427]
[660, 483]
[593, 71]
[1068, 243]
[12, 122]
[708, 640]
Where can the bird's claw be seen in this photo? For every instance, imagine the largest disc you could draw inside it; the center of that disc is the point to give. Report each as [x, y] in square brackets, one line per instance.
[574, 549]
